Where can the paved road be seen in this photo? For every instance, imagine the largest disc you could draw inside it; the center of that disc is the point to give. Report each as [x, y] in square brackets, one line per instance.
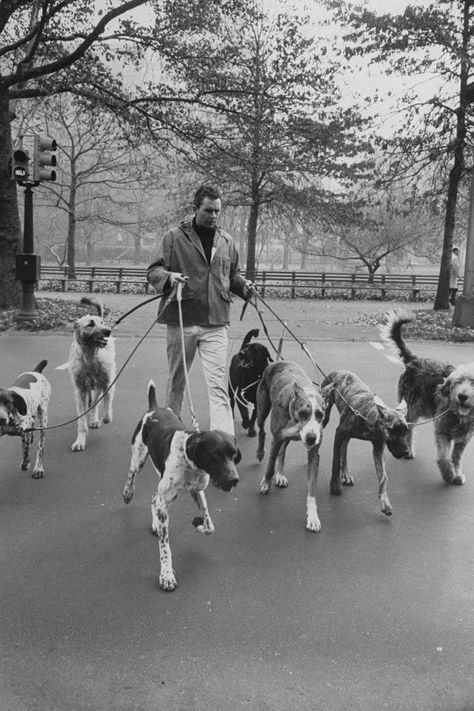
[371, 613]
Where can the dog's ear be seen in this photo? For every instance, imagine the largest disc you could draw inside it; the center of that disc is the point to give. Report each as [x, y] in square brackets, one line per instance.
[238, 456]
[269, 358]
[193, 446]
[326, 392]
[402, 408]
[445, 388]
[19, 403]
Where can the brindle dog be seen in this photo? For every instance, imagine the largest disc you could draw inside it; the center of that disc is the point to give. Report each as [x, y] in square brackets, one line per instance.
[363, 416]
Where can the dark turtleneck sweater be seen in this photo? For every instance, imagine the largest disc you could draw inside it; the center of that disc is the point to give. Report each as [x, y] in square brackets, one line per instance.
[206, 236]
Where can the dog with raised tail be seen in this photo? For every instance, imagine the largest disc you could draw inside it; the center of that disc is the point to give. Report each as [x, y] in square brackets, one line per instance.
[438, 391]
[184, 461]
[23, 405]
[363, 415]
[92, 369]
[245, 372]
[297, 408]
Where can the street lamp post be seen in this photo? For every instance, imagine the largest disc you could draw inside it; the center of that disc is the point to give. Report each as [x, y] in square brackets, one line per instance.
[464, 309]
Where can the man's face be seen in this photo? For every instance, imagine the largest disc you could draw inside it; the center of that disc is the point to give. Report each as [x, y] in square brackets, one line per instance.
[208, 213]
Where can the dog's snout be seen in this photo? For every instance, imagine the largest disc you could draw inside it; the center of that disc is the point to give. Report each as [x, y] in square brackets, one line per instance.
[106, 332]
[3, 420]
[462, 397]
[310, 439]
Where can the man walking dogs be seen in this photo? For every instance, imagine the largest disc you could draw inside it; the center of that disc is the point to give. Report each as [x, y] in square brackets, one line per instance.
[204, 258]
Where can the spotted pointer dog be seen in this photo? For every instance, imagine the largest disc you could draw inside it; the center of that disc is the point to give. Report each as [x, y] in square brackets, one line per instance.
[20, 405]
[184, 461]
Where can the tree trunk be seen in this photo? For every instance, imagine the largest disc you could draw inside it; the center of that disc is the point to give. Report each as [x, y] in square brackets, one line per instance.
[71, 227]
[252, 233]
[456, 172]
[286, 256]
[10, 228]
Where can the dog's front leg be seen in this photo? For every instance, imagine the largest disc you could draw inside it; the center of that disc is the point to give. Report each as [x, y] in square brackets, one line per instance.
[26, 441]
[339, 452]
[458, 449]
[444, 459]
[378, 452]
[280, 478]
[266, 483]
[312, 519]
[203, 523]
[93, 415]
[82, 428]
[160, 526]
[38, 471]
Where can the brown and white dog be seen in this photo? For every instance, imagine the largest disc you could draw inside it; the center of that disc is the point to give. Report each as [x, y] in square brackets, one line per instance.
[363, 415]
[184, 461]
[92, 369]
[297, 410]
[245, 371]
[437, 390]
[20, 405]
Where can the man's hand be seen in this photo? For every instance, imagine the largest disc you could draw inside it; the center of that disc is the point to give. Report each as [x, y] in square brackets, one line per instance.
[176, 277]
[248, 288]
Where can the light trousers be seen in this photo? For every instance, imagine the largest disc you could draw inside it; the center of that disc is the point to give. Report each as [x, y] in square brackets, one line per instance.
[211, 343]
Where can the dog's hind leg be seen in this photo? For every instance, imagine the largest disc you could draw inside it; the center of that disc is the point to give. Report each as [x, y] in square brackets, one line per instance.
[38, 471]
[263, 409]
[346, 477]
[378, 452]
[312, 519]
[445, 460]
[266, 483]
[107, 415]
[280, 478]
[137, 460]
[203, 523]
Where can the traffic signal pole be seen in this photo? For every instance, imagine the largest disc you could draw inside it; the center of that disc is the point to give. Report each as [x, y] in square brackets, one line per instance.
[28, 306]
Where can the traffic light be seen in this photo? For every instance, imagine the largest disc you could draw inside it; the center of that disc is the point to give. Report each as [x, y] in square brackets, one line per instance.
[20, 165]
[44, 158]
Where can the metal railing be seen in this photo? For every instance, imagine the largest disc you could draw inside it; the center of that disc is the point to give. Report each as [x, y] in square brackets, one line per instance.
[277, 283]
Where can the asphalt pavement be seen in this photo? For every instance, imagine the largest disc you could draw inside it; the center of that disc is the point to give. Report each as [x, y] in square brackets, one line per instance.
[371, 613]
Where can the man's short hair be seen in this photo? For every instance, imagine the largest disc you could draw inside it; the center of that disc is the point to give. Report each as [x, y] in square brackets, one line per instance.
[205, 191]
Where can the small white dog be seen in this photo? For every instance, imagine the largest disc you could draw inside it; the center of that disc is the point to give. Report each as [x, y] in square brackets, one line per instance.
[92, 369]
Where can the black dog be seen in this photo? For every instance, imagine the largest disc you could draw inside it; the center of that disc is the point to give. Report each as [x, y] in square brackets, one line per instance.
[245, 372]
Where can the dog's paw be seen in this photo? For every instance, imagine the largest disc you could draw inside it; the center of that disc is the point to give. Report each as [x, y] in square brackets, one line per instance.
[95, 424]
[79, 445]
[24, 466]
[198, 523]
[128, 494]
[168, 582]
[251, 432]
[265, 486]
[313, 524]
[335, 488]
[107, 419]
[459, 480]
[410, 455]
[260, 454]
[38, 473]
[347, 480]
[281, 480]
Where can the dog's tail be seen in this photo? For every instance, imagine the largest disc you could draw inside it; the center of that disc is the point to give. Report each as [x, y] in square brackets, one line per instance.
[391, 333]
[86, 301]
[248, 337]
[152, 403]
[41, 366]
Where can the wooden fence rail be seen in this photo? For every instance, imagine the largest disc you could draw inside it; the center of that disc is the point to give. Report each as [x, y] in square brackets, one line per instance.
[273, 283]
